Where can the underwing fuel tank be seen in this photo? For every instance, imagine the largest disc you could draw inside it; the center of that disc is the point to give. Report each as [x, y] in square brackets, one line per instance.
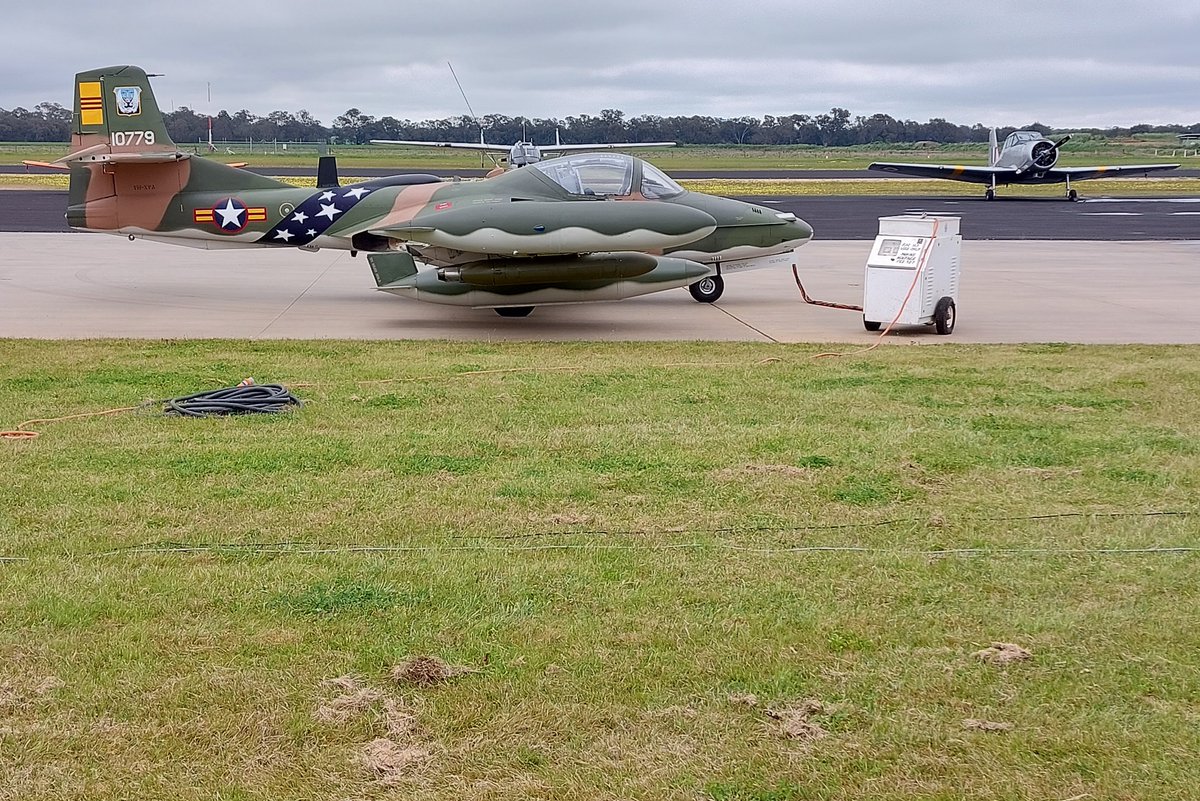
[549, 270]
[576, 280]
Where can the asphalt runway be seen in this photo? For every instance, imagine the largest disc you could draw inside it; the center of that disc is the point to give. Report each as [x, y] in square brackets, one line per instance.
[60, 286]
[845, 217]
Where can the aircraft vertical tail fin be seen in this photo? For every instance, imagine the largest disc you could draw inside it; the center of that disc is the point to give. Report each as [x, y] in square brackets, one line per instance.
[993, 149]
[116, 114]
[125, 170]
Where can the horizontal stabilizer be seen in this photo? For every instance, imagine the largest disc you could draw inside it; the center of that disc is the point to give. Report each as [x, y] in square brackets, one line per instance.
[99, 154]
[47, 164]
[391, 267]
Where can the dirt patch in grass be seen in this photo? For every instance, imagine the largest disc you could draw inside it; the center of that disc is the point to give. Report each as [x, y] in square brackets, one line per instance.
[14, 695]
[1003, 653]
[353, 700]
[387, 758]
[1049, 472]
[796, 720]
[744, 699]
[975, 724]
[426, 671]
[742, 471]
[389, 761]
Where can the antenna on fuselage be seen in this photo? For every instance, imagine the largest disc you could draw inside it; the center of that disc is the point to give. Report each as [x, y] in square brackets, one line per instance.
[473, 117]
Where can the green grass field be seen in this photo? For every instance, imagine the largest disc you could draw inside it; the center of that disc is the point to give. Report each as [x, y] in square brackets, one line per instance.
[677, 571]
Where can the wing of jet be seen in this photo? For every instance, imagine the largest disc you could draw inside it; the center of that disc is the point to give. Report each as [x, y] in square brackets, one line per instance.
[523, 153]
[557, 148]
[459, 145]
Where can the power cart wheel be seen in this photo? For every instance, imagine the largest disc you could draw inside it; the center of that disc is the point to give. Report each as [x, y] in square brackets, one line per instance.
[871, 325]
[708, 290]
[943, 316]
[514, 311]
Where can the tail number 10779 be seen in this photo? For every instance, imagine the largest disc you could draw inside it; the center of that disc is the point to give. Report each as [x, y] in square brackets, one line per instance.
[132, 138]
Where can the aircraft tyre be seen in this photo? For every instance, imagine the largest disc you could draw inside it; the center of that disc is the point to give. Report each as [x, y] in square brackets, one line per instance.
[1072, 195]
[943, 316]
[708, 290]
[989, 194]
[871, 325]
[514, 311]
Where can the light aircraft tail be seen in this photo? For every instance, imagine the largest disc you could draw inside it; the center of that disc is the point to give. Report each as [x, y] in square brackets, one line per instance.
[115, 108]
[124, 167]
[993, 149]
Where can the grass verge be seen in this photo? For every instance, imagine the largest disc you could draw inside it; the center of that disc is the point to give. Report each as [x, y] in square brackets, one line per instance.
[611, 544]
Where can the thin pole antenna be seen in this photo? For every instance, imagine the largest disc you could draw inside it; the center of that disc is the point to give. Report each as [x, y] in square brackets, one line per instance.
[474, 118]
[464, 95]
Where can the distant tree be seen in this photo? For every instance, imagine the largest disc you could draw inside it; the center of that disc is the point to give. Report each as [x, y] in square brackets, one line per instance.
[834, 127]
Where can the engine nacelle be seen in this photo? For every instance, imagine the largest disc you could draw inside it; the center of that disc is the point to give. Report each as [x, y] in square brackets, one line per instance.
[1044, 155]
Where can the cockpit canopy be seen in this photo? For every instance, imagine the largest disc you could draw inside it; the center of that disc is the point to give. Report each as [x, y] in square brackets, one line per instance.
[609, 175]
[1021, 137]
[523, 153]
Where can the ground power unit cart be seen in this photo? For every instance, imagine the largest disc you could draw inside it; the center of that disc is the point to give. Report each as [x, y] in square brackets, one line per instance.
[912, 273]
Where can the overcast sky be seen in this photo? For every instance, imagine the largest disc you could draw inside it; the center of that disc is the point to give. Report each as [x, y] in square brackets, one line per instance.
[1060, 62]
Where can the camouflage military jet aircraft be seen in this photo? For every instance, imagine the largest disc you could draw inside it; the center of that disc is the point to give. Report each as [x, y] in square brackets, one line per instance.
[580, 228]
[1026, 158]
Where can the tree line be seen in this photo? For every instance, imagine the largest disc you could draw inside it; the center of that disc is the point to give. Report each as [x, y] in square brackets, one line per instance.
[51, 122]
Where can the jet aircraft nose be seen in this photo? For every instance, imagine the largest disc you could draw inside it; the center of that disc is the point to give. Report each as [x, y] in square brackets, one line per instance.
[798, 231]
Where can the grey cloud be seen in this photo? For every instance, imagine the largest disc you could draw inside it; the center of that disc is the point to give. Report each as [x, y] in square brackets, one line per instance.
[1062, 62]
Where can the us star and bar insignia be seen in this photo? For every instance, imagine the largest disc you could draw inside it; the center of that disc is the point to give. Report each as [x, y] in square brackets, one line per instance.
[230, 215]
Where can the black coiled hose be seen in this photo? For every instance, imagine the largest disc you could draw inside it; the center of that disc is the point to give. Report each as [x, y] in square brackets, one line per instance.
[242, 399]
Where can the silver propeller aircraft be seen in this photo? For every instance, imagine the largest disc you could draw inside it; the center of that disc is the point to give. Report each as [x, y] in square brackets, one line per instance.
[587, 227]
[522, 153]
[1026, 158]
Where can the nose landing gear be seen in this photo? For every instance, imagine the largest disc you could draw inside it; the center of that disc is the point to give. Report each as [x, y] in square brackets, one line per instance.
[708, 290]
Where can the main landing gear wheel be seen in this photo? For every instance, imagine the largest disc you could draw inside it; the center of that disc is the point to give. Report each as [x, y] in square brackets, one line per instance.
[514, 311]
[1072, 195]
[943, 316]
[989, 194]
[872, 325]
[708, 290]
